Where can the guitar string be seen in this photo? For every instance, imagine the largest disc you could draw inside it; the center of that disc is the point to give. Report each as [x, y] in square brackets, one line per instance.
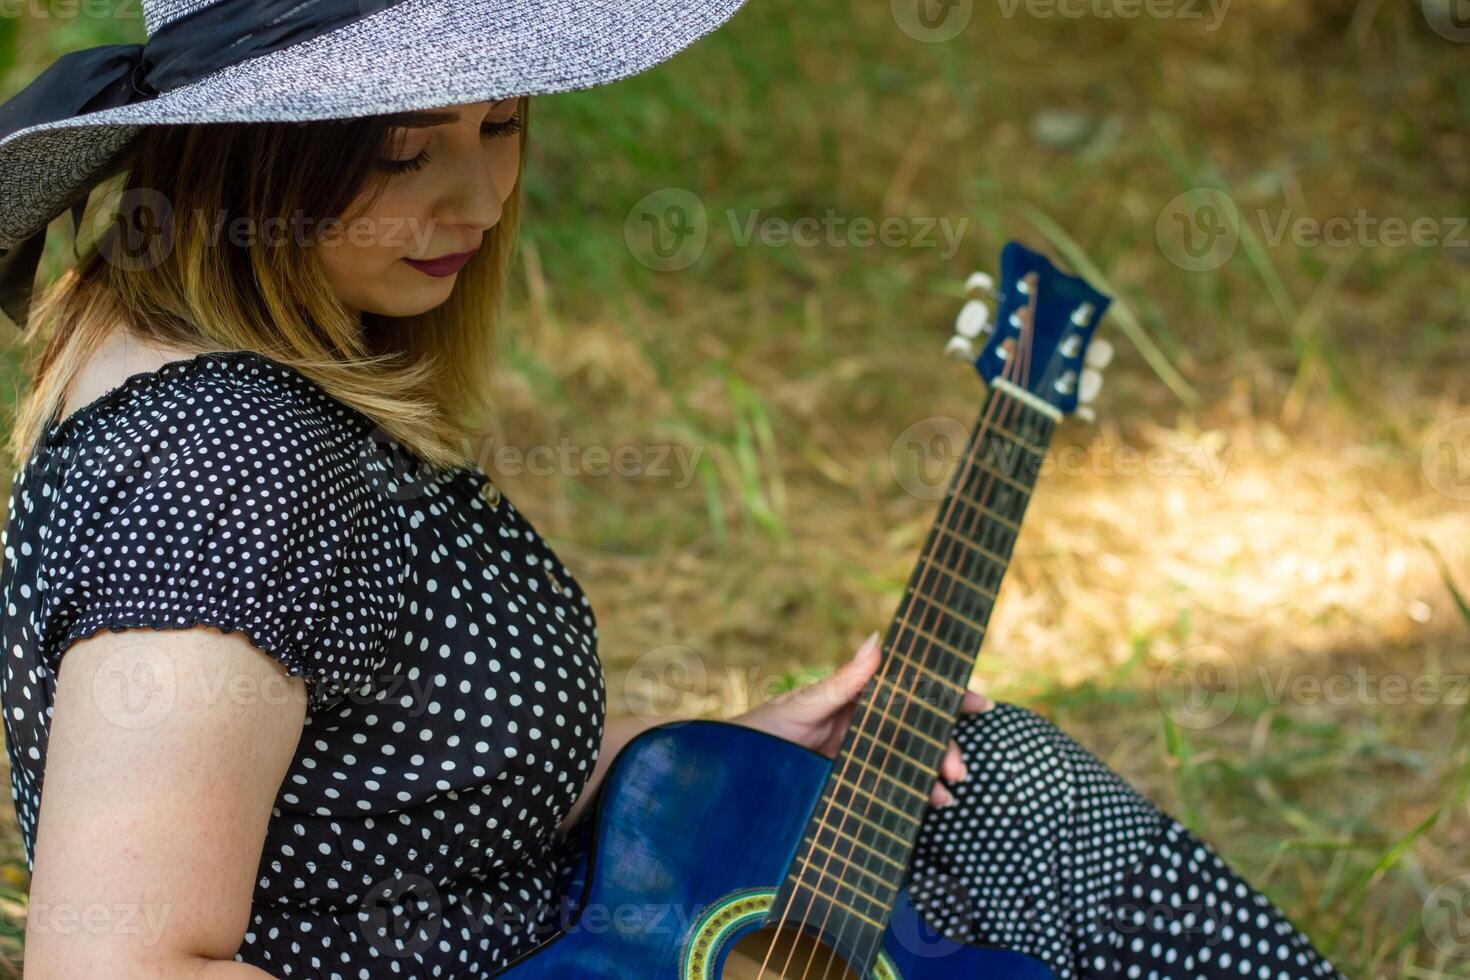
[1019, 367]
[867, 709]
[1020, 363]
[1014, 365]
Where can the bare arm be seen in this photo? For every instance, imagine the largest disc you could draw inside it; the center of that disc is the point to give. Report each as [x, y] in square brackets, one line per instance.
[167, 750]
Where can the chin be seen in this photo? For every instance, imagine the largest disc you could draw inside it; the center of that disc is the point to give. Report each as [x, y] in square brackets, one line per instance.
[406, 303]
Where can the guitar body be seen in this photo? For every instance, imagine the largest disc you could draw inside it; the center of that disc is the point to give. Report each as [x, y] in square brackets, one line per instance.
[692, 831]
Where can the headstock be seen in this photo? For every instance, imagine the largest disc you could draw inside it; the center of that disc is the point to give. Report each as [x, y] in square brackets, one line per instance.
[1040, 339]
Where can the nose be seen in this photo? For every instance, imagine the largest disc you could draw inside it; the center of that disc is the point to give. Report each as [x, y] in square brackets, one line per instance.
[475, 201]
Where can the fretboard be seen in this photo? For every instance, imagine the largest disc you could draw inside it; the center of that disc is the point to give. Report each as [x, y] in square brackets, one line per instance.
[852, 859]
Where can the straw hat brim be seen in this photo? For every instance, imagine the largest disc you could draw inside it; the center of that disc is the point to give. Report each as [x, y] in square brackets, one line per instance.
[418, 54]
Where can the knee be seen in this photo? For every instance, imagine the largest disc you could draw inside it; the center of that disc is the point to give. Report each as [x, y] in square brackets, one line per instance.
[1015, 752]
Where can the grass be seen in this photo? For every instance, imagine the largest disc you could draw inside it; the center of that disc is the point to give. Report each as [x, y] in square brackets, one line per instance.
[1302, 533]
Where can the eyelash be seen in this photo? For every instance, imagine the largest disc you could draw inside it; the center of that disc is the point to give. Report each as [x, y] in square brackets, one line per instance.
[498, 130]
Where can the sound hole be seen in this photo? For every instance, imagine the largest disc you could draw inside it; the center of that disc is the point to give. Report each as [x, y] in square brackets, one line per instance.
[801, 955]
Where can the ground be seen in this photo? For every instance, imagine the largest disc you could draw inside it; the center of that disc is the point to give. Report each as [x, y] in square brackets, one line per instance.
[1238, 588]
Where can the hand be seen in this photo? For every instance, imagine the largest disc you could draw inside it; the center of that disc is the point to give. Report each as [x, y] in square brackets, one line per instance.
[817, 715]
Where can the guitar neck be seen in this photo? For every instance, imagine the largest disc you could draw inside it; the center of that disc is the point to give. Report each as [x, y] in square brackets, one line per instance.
[851, 862]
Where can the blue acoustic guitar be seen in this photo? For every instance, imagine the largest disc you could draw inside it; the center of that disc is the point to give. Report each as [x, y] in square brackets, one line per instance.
[715, 850]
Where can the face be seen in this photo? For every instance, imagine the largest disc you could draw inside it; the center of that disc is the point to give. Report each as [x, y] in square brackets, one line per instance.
[448, 175]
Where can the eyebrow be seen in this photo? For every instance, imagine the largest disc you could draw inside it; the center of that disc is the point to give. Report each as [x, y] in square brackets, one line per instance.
[414, 120]
[422, 118]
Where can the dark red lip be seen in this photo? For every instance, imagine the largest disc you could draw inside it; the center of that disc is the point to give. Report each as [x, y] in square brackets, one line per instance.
[444, 265]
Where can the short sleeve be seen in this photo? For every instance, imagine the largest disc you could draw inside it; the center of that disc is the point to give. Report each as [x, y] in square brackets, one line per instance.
[248, 509]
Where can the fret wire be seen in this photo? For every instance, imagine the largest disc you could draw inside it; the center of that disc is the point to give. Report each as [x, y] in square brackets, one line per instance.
[957, 657]
[1027, 414]
[909, 593]
[950, 682]
[822, 872]
[844, 783]
[976, 547]
[844, 906]
[1000, 491]
[923, 769]
[903, 822]
[967, 661]
[974, 586]
[827, 795]
[965, 611]
[816, 836]
[998, 459]
[946, 719]
[976, 607]
[972, 550]
[882, 735]
[997, 429]
[928, 736]
[1040, 430]
[922, 765]
[1005, 521]
[993, 536]
[998, 448]
[1012, 481]
[845, 861]
[1006, 495]
[921, 773]
[973, 606]
[1000, 495]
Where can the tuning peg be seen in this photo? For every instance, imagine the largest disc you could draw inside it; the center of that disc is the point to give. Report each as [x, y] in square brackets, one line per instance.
[1086, 414]
[1100, 354]
[1082, 314]
[974, 319]
[960, 348]
[1090, 384]
[980, 282]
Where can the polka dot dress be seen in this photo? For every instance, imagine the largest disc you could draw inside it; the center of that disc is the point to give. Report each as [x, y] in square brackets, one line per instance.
[1048, 852]
[455, 697]
[456, 702]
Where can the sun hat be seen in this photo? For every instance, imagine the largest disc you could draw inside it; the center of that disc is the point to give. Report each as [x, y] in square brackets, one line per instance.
[247, 61]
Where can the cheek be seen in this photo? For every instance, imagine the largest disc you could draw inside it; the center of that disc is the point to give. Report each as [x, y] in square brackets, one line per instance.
[382, 233]
[506, 168]
[362, 248]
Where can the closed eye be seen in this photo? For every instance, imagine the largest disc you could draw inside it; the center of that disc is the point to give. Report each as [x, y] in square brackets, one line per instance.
[489, 130]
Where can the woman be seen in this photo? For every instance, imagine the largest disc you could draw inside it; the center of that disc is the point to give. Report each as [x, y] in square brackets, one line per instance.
[247, 434]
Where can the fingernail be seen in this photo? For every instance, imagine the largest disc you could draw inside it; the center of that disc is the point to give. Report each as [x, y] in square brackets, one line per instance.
[964, 773]
[946, 798]
[870, 645]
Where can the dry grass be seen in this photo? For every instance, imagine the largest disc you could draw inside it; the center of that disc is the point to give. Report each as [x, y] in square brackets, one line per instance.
[1315, 376]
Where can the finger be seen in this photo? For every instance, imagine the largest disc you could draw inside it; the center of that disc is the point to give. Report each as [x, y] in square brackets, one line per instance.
[941, 796]
[845, 684]
[865, 661]
[975, 703]
[952, 767]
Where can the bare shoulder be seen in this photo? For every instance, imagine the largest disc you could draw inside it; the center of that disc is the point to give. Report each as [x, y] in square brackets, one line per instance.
[118, 358]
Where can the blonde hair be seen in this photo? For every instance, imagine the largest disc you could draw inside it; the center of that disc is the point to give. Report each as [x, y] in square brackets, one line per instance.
[421, 379]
